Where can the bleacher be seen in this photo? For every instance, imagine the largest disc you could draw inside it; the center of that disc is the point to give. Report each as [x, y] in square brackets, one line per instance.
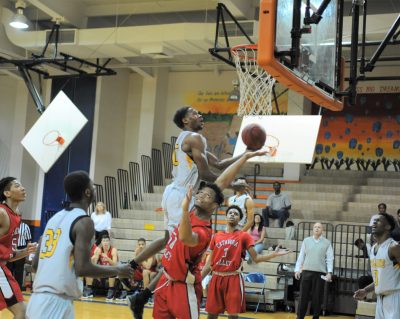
[343, 200]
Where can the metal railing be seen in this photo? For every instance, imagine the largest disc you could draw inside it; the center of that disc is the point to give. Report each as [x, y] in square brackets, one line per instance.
[256, 173]
[110, 186]
[123, 188]
[99, 197]
[134, 178]
[173, 141]
[147, 174]
[156, 161]
[167, 159]
[350, 268]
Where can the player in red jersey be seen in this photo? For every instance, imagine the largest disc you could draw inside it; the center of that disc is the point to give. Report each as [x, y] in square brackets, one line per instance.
[180, 281]
[227, 250]
[12, 193]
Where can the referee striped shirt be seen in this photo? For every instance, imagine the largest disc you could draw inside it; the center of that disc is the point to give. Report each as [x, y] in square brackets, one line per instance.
[24, 235]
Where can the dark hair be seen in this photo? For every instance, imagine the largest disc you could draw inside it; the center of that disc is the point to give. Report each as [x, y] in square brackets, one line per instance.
[382, 204]
[276, 182]
[100, 237]
[260, 227]
[75, 185]
[5, 184]
[398, 211]
[219, 196]
[105, 235]
[390, 219]
[179, 115]
[141, 239]
[237, 208]
[358, 242]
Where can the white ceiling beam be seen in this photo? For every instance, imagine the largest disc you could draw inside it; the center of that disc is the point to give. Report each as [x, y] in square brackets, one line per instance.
[144, 73]
[149, 7]
[70, 11]
[240, 8]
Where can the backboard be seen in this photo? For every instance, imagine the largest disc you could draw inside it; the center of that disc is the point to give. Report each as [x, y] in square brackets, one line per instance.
[290, 138]
[54, 131]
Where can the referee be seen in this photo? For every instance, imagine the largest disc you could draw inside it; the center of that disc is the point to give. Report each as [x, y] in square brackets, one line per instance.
[17, 267]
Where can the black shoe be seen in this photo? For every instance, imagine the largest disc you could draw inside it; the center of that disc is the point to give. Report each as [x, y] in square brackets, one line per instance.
[126, 284]
[136, 303]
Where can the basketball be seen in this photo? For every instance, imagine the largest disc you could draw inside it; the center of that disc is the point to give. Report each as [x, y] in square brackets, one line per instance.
[254, 136]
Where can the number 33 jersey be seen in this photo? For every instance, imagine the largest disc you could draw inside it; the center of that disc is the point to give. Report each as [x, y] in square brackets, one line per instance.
[228, 249]
[56, 272]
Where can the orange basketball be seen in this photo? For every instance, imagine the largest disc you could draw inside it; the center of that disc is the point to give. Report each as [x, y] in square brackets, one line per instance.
[254, 136]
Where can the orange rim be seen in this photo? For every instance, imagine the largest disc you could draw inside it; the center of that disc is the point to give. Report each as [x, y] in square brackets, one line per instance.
[235, 51]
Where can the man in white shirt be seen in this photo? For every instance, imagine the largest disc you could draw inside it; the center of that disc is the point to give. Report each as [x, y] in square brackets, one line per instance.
[278, 205]
[314, 265]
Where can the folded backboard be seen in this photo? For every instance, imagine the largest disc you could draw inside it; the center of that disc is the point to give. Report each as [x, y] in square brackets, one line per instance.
[290, 138]
[54, 131]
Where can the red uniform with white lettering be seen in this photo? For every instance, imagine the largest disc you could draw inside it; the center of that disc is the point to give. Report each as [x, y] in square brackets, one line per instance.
[226, 288]
[178, 293]
[102, 260]
[10, 290]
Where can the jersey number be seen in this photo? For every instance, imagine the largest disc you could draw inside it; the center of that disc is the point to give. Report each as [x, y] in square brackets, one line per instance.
[50, 245]
[172, 240]
[175, 161]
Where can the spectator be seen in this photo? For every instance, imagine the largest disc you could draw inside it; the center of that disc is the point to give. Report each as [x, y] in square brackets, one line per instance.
[365, 248]
[105, 255]
[278, 205]
[244, 201]
[101, 219]
[149, 266]
[17, 267]
[290, 230]
[396, 231]
[315, 261]
[257, 231]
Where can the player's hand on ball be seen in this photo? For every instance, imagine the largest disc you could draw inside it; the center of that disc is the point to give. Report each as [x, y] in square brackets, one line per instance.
[125, 271]
[187, 199]
[250, 154]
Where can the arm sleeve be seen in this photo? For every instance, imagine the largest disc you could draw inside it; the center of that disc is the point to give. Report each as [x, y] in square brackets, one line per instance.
[287, 200]
[329, 259]
[300, 259]
[109, 221]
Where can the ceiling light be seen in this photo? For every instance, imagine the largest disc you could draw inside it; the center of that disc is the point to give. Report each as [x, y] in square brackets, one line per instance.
[19, 21]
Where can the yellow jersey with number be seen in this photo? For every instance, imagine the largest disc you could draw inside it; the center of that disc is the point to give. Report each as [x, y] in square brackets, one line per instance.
[385, 272]
[56, 272]
[184, 169]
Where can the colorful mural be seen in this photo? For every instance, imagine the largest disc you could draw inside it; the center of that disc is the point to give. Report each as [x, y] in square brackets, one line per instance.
[219, 109]
[368, 131]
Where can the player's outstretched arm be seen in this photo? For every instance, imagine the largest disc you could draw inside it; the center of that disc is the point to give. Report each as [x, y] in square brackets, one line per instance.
[361, 294]
[250, 214]
[82, 234]
[186, 235]
[207, 267]
[260, 258]
[228, 175]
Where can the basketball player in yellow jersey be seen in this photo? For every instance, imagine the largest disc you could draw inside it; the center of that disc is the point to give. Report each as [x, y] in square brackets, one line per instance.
[385, 267]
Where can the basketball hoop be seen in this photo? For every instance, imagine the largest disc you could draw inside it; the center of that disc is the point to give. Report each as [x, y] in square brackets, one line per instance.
[53, 138]
[271, 145]
[255, 83]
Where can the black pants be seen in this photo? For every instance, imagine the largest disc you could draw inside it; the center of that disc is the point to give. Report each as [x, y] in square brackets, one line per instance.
[311, 287]
[281, 214]
[17, 270]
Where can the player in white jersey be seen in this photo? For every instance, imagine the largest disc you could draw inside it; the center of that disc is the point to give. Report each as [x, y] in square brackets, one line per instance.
[63, 255]
[244, 201]
[385, 268]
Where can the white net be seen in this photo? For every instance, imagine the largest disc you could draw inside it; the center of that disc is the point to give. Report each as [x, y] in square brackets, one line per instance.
[255, 83]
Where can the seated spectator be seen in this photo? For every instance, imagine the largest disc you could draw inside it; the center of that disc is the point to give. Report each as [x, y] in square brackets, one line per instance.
[278, 206]
[149, 266]
[359, 243]
[257, 231]
[105, 255]
[101, 219]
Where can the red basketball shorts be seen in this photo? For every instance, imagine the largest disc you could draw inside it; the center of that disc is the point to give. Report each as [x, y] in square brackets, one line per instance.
[174, 299]
[226, 293]
[10, 291]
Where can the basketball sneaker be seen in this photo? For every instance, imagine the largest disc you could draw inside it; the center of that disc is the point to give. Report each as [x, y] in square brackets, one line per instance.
[137, 301]
[122, 296]
[87, 292]
[110, 295]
